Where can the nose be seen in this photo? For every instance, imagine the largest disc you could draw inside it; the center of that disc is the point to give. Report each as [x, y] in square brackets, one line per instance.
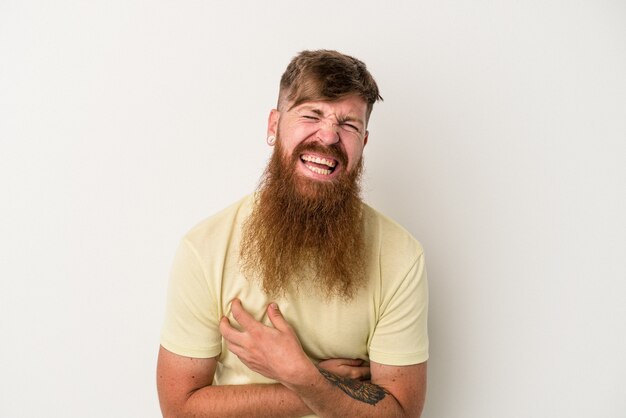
[327, 133]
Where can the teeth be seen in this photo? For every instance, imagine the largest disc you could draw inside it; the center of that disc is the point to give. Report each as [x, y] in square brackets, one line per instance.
[318, 170]
[318, 160]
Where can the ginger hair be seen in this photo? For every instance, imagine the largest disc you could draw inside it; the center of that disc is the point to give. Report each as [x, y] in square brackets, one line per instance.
[326, 75]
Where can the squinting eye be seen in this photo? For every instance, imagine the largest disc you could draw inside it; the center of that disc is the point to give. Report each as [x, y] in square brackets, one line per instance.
[349, 127]
[310, 117]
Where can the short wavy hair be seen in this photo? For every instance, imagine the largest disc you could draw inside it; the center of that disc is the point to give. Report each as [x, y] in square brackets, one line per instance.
[325, 75]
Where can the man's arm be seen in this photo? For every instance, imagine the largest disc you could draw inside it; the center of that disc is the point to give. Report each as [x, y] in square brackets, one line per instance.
[394, 391]
[185, 390]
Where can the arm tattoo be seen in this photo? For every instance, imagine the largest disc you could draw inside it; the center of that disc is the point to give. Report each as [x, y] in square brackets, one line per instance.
[361, 391]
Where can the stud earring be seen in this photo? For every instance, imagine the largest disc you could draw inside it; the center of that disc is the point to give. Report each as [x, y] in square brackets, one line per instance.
[271, 140]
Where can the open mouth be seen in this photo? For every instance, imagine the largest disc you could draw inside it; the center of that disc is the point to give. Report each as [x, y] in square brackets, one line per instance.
[319, 165]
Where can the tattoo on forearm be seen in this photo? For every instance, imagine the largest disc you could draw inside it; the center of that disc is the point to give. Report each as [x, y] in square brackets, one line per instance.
[361, 391]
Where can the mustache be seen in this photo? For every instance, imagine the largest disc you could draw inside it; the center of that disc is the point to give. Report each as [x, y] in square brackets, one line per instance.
[334, 150]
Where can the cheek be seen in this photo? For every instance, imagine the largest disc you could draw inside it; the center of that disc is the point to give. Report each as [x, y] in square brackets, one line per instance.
[292, 137]
[354, 155]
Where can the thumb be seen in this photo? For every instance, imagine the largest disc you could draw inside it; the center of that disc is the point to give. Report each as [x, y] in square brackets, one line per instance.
[276, 318]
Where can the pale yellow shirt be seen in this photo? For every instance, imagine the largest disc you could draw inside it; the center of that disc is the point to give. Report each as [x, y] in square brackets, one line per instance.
[385, 322]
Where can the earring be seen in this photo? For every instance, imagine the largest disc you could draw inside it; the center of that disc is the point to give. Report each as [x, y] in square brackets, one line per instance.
[271, 140]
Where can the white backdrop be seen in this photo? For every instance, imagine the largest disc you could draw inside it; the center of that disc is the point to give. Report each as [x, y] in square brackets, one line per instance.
[500, 146]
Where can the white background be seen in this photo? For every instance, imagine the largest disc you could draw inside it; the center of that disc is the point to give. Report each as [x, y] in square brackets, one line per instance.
[500, 146]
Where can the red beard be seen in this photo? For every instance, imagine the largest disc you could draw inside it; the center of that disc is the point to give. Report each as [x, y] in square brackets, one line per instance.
[305, 231]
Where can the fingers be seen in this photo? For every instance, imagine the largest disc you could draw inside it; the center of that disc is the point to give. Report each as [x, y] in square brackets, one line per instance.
[337, 362]
[273, 351]
[242, 316]
[354, 362]
[232, 335]
[225, 327]
[276, 318]
[356, 369]
[248, 323]
[361, 373]
[229, 333]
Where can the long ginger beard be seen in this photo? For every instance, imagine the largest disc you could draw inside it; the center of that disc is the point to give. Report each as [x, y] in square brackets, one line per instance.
[304, 231]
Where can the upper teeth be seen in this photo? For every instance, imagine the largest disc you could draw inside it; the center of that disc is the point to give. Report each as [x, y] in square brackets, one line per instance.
[318, 160]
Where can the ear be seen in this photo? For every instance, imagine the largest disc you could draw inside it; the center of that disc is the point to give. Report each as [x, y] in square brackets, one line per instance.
[272, 122]
[367, 134]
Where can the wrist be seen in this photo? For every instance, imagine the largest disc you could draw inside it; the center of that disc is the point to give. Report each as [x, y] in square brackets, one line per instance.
[304, 375]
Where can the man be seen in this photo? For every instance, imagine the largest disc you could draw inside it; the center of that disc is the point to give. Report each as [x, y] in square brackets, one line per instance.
[300, 300]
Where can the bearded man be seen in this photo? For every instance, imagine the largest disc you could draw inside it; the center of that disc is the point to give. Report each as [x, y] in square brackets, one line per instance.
[300, 300]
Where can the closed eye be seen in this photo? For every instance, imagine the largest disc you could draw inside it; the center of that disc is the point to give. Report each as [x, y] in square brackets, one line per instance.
[350, 127]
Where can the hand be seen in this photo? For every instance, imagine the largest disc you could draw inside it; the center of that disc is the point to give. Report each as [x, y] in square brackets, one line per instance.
[275, 352]
[356, 369]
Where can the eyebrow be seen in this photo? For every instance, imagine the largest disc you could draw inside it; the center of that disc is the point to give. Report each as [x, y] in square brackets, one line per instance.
[349, 119]
[318, 112]
[340, 119]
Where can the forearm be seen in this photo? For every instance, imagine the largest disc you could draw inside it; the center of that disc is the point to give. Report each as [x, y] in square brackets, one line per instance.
[276, 353]
[329, 395]
[255, 401]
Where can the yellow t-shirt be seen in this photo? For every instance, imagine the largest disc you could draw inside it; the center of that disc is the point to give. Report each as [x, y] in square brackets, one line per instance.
[385, 322]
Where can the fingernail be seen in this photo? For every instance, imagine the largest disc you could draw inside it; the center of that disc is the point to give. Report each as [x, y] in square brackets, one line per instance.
[274, 306]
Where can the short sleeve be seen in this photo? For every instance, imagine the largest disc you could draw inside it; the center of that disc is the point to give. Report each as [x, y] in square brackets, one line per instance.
[401, 334]
[191, 318]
